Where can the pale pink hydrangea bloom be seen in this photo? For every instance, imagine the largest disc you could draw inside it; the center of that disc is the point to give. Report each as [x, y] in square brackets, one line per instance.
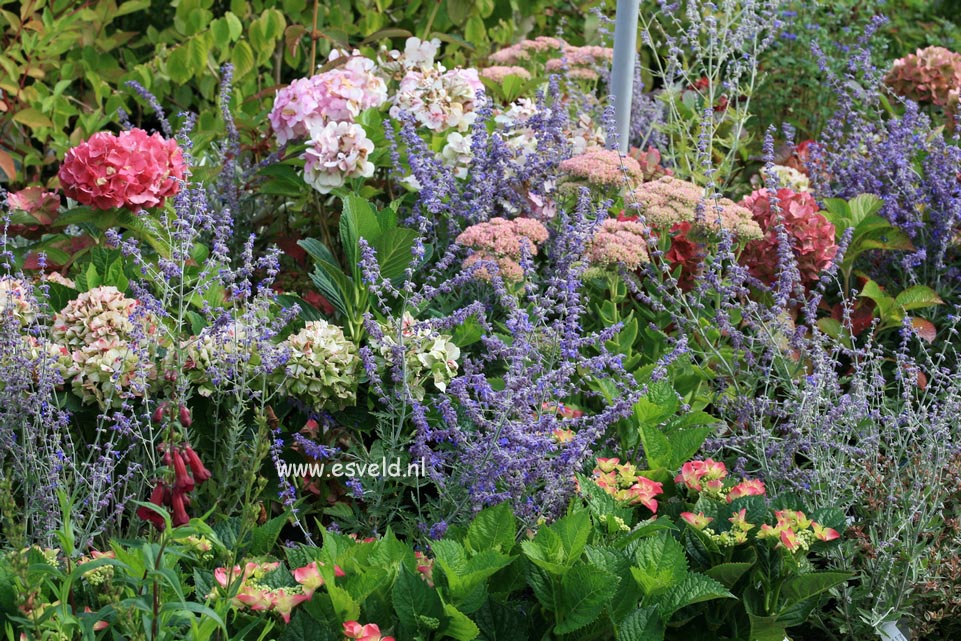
[131, 169]
[337, 95]
[101, 313]
[603, 167]
[502, 240]
[439, 99]
[16, 299]
[498, 73]
[585, 134]
[668, 200]
[457, 153]
[619, 242]
[418, 55]
[519, 138]
[336, 152]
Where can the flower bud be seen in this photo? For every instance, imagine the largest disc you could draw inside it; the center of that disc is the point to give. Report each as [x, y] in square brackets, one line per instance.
[185, 419]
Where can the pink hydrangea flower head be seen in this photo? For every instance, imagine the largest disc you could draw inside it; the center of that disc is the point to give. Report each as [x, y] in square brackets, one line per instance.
[439, 100]
[309, 578]
[604, 168]
[337, 151]
[706, 475]
[369, 632]
[812, 236]
[131, 169]
[927, 76]
[644, 491]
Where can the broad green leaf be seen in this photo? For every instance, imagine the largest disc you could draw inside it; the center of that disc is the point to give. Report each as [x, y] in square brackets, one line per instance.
[728, 573]
[617, 563]
[863, 206]
[265, 536]
[345, 606]
[458, 626]
[661, 564]
[694, 588]
[32, 118]
[917, 297]
[573, 531]
[585, 592]
[804, 586]
[413, 599]
[644, 624]
[493, 529]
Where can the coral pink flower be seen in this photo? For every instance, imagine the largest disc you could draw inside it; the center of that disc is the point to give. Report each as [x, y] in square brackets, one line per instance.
[369, 632]
[644, 492]
[824, 533]
[309, 578]
[425, 567]
[697, 521]
[750, 487]
[607, 464]
[283, 602]
[131, 170]
[789, 539]
[702, 475]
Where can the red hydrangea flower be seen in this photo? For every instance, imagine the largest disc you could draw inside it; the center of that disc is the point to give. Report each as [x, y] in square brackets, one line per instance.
[812, 236]
[132, 170]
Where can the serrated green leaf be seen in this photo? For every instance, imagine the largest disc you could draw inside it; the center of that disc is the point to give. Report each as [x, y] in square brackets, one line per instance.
[413, 599]
[694, 588]
[585, 593]
[727, 574]
[644, 624]
[661, 564]
[493, 529]
[804, 586]
[458, 625]
[917, 297]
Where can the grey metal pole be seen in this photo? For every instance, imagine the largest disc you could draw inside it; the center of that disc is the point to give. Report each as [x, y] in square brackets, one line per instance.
[622, 73]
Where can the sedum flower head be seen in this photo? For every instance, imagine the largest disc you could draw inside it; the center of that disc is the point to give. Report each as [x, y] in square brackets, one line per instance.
[322, 367]
[668, 201]
[498, 73]
[604, 168]
[618, 242]
[130, 169]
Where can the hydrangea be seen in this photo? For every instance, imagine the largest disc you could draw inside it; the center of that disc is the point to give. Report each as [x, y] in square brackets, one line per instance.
[668, 200]
[812, 236]
[16, 299]
[338, 95]
[428, 355]
[618, 242]
[103, 313]
[501, 240]
[791, 178]
[322, 367]
[439, 99]
[131, 169]
[336, 151]
[604, 168]
[927, 76]
[586, 134]
[418, 55]
[97, 328]
[218, 352]
[457, 153]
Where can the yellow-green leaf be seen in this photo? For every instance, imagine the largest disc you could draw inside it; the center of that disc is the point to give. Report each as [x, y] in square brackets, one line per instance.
[32, 118]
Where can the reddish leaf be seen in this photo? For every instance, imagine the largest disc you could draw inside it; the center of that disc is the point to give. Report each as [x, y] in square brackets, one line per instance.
[924, 328]
[7, 166]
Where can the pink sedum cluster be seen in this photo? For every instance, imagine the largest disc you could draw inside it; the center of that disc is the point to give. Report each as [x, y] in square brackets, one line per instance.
[604, 168]
[812, 236]
[668, 201]
[618, 242]
[522, 51]
[369, 632]
[502, 241]
[930, 75]
[132, 170]
[439, 99]
[337, 95]
[336, 152]
[498, 73]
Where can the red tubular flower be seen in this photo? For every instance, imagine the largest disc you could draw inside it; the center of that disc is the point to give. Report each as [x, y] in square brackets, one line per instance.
[200, 472]
[182, 480]
[178, 501]
[158, 497]
[185, 418]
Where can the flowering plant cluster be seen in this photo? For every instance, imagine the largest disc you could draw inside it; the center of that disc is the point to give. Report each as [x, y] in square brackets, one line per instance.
[131, 169]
